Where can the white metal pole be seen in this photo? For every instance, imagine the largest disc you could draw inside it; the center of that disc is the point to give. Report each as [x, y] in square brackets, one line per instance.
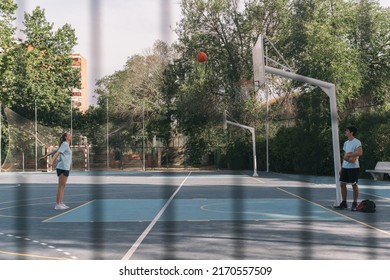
[88, 155]
[71, 120]
[335, 139]
[254, 153]
[108, 148]
[267, 117]
[0, 137]
[36, 136]
[252, 130]
[330, 90]
[71, 125]
[143, 136]
[267, 136]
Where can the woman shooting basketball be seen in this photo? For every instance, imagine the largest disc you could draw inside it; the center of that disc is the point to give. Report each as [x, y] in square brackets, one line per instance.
[64, 153]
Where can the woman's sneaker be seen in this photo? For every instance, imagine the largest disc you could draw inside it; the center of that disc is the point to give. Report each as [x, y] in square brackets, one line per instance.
[64, 205]
[60, 207]
[354, 206]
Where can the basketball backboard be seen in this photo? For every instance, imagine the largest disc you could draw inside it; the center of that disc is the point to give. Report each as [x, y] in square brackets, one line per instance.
[258, 62]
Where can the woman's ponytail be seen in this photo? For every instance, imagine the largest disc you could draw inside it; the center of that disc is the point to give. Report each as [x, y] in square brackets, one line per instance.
[63, 138]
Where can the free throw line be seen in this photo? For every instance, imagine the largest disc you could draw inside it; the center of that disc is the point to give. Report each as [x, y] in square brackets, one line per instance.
[141, 238]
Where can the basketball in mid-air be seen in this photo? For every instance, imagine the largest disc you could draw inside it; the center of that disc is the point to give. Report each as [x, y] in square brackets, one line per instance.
[201, 57]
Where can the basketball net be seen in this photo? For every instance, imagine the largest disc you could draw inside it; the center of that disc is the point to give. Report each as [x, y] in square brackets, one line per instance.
[246, 88]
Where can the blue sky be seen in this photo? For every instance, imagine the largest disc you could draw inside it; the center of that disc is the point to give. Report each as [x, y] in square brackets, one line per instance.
[127, 27]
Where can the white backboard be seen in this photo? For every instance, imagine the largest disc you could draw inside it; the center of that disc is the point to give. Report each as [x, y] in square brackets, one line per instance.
[258, 63]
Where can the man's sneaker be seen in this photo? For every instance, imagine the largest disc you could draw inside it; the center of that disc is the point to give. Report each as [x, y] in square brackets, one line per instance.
[354, 206]
[60, 207]
[343, 205]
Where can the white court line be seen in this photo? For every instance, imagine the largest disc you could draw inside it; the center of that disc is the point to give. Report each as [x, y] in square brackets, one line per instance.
[257, 179]
[66, 212]
[141, 238]
[337, 213]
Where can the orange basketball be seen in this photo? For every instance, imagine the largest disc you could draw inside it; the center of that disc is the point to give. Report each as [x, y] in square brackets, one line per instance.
[201, 57]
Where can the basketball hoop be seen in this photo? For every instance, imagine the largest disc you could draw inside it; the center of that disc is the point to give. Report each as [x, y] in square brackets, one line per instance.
[247, 87]
[241, 83]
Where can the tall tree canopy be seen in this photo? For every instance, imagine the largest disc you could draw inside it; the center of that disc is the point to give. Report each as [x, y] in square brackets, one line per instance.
[134, 95]
[344, 42]
[7, 30]
[39, 69]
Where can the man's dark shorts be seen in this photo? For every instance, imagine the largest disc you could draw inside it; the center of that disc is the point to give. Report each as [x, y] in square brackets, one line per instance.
[61, 171]
[349, 175]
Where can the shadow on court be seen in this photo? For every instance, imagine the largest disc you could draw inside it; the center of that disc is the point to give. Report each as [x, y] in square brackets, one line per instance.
[188, 215]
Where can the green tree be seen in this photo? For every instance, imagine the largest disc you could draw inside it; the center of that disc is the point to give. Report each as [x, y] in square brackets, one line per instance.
[40, 70]
[134, 97]
[371, 36]
[7, 30]
[342, 42]
[227, 32]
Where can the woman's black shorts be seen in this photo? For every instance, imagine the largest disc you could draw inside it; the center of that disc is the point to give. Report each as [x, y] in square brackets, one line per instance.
[61, 171]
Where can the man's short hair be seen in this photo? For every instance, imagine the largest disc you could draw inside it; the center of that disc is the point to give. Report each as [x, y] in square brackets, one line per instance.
[352, 129]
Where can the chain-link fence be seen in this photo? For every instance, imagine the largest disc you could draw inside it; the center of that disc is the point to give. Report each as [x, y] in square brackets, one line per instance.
[29, 143]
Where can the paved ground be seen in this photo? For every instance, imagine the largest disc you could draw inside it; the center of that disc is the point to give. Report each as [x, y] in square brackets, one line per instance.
[188, 215]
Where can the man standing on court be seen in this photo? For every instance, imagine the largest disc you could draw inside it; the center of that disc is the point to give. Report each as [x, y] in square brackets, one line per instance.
[349, 173]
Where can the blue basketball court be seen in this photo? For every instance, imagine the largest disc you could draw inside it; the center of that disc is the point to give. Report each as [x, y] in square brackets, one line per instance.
[144, 210]
[188, 215]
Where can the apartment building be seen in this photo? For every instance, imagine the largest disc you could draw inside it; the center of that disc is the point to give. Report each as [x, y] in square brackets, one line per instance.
[79, 95]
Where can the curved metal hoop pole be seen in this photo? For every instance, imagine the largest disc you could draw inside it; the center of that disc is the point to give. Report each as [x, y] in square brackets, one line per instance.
[330, 90]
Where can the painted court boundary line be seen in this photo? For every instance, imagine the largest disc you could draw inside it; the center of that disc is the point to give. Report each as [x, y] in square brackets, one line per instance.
[338, 213]
[141, 238]
[33, 256]
[64, 213]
